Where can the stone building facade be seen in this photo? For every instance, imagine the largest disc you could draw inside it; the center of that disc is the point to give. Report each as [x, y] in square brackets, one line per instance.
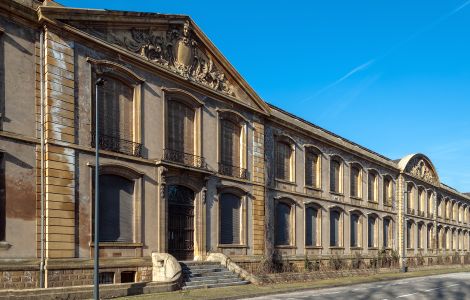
[192, 160]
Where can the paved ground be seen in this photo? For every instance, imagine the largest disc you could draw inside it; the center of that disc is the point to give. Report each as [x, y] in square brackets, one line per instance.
[446, 287]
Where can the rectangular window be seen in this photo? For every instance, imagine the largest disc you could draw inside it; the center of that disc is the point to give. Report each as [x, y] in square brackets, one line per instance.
[311, 169]
[180, 127]
[372, 187]
[334, 229]
[371, 231]
[386, 233]
[409, 235]
[283, 161]
[230, 218]
[387, 192]
[335, 170]
[230, 143]
[106, 277]
[354, 230]
[355, 176]
[311, 221]
[282, 224]
[127, 276]
[2, 197]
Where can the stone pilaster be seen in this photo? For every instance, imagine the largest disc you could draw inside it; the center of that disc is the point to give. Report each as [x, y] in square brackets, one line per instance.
[258, 190]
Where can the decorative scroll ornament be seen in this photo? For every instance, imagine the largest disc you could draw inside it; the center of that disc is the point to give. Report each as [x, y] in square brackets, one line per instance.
[179, 51]
[420, 169]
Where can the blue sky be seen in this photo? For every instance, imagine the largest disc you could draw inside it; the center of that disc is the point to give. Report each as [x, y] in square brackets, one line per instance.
[393, 76]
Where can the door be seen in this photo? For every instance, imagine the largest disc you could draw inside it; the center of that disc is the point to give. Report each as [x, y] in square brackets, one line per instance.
[181, 222]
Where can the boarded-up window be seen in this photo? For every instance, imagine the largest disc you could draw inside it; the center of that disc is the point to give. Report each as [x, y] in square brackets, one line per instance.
[283, 161]
[387, 233]
[311, 169]
[355, 219]
[282, 224]
[230, 143]
[372, 231]
[372, 187]
[116, 209]
[335, 174]
[312, 226]
[355, 181]
[334, 228]
[180, 127]
[230, 218]
[2, 197]
[116, 109]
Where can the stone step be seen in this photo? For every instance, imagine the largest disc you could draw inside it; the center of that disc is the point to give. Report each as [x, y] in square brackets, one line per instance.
[198, 263]
[191, 287]
[202, 271]
[205, 274]
[212, 281]
[211, 277]
[208, 266]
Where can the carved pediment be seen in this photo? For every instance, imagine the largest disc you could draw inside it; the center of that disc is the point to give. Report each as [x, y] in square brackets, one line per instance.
[422, 169]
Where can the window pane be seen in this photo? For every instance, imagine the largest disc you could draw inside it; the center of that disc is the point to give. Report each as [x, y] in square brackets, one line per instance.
[371, 230]
[230, 143]
[116, 209]
[116, 109]
[372, 187]
[335, 168]
[180, 126]
[311, 226]
[334, 228]
[354, 230]
[311, 169]
[283, 161]
[282, 224]
[229, 219]
[355, 182]
[386, 232]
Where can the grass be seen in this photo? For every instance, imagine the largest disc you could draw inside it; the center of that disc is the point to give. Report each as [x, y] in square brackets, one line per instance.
[252, 290]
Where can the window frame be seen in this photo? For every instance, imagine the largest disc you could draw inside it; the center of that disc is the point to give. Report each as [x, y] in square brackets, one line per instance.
[292, 170]
[360, 229]
[112, 69]
[292, 218]
[360, 180]
[243, 195]
[388, 243]
[340, 161]
[375, 173]
[375, 236]
[240, 120]
[130, 174]
[340, 212]
[318, 233]
[390, 187]
[310, 149]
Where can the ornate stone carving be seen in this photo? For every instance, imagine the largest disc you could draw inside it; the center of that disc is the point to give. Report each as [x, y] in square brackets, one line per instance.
[178, 50]
[419, 168]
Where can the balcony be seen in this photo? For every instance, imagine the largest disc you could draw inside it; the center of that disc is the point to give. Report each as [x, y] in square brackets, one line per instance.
[232, 171]
[183, 158]
[116, 144]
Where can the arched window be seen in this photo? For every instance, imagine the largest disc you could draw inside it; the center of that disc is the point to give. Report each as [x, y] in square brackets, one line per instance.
[283, 224]
[372, 228]
[336, 231]
[387, 232]
[356, 181]
[430, 205]
[336, 177]
[116, 208]
[230, 219]
[312, 226]
[312, 168]
[455, 211]
[356, 230]
[284, 164]
[388, 191]
[410, 198]
[372, 184]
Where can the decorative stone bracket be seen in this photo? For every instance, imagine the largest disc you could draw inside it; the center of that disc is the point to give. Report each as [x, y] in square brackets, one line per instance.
[165, 268]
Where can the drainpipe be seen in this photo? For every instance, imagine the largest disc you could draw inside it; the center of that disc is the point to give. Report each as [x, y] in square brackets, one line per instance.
[405, 200]
[41, 72]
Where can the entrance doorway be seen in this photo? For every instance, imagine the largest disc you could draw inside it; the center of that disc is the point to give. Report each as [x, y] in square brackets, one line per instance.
[181, 222]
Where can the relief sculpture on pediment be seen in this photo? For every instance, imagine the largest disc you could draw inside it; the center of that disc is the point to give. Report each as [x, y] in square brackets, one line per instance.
[178, 50]
[419, 168]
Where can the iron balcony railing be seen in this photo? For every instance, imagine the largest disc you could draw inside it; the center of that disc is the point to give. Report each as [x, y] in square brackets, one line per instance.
[116, 144]
[184, 158]
[232, 171]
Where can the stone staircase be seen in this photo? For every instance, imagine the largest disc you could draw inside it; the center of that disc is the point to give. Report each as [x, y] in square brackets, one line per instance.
[198, 275]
